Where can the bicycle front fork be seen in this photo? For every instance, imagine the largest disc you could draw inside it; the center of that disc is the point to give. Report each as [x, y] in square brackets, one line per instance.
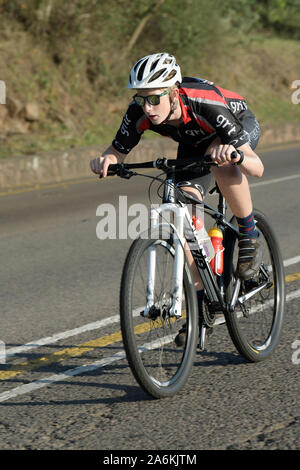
[178, 241]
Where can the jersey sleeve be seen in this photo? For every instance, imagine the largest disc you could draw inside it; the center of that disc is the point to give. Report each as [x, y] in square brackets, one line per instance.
[227, 126]
[131, 129]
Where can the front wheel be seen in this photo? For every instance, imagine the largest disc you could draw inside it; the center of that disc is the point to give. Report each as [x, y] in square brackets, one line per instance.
[160, 367]
[255, 325]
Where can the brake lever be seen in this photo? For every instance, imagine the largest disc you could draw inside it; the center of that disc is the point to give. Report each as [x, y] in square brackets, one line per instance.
[122, 173]
[126, 174]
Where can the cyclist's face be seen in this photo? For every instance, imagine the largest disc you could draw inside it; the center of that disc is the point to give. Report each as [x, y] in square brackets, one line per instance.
[156, 113]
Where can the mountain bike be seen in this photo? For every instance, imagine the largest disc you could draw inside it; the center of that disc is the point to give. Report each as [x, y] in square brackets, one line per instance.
[157, 294]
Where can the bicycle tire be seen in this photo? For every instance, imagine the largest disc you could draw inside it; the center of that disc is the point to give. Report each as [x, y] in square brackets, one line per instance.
[255, 329]
[155, 367]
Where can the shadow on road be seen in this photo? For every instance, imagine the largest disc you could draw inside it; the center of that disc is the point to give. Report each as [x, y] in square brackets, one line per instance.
[126, 392]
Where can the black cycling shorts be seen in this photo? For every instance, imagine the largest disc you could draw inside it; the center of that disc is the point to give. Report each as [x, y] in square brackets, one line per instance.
[204, 180]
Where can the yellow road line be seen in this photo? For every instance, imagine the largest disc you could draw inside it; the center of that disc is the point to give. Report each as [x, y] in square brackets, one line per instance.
[292, 277]
[76, 351]
[79, 350]
[40, 187]
[60, 356]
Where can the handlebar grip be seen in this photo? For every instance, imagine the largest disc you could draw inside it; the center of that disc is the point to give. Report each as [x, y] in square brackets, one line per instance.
[234, 154]
[241, 154]
[112, 170]
[113, 167]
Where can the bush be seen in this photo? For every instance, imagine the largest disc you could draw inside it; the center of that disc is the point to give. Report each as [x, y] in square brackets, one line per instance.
[100, 39]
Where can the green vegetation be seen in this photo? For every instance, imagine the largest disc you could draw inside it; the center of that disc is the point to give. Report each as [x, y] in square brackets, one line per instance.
[71, 60]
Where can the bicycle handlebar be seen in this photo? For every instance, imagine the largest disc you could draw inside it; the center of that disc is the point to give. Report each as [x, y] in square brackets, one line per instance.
[123, 169]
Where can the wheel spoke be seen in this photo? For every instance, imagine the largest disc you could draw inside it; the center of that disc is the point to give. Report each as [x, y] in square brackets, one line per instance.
[256, 321]
[159, 365]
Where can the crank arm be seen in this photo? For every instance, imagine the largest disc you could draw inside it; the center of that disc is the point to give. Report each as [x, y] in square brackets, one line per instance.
[235, 294]
[245, 297]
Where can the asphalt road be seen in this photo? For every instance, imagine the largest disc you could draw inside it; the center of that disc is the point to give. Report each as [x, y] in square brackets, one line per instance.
[59, 281]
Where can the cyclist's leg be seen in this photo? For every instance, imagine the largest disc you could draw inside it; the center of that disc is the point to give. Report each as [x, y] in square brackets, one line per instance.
[235, 188]
[197, 185]
[232, 183]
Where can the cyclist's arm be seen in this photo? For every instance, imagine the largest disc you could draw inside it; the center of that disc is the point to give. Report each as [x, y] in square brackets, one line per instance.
[231, 136]
[100, 165]
[127, 137]
[251, 165]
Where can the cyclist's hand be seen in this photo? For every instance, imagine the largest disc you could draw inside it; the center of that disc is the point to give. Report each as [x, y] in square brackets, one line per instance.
[100, 164]
[221, 154]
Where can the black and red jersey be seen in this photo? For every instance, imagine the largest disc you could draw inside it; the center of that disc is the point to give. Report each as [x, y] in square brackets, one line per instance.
[208, 111]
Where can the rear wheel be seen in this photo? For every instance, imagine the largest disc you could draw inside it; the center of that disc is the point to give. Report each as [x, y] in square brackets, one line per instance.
[160, 367]
[256, 323]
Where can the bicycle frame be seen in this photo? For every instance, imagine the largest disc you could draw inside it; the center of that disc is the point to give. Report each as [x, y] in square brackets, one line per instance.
[182, 218]
[214, 286]
[160, 339]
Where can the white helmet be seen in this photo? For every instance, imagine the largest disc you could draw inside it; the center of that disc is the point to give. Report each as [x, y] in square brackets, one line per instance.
[155, 71]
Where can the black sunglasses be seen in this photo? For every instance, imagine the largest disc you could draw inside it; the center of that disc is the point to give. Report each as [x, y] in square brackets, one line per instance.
[154, 100]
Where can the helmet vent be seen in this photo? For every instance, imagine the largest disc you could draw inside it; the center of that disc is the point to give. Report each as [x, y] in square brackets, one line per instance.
[154, 71]
[137, 65]
[154, 65]
[157, 75]
[141, 71]
[170, 76]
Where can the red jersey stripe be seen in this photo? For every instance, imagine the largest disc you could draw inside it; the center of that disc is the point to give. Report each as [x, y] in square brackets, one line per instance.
[230, 94]
[204, 125]
[144, 125]
[185, 115]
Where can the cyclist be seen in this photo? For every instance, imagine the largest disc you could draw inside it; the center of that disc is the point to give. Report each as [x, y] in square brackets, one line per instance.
[204, 119]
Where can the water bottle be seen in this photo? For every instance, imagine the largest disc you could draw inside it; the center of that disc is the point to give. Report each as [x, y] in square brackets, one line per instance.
[216, 237]
[204, 237]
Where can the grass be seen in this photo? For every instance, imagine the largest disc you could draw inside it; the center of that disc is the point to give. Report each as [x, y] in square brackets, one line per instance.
[79, 109]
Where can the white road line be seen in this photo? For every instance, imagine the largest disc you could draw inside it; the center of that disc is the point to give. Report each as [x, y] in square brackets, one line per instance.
[10, 352]
[30, 387]
[276, 180]
[290, 261]
[65, 334]
[41, 383]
